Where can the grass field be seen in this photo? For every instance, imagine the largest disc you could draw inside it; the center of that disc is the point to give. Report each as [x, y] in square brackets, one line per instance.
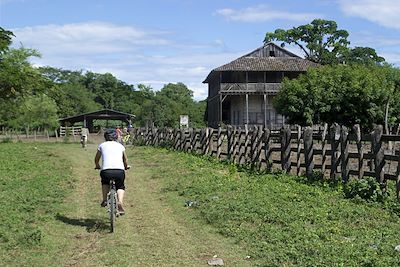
[182, 210]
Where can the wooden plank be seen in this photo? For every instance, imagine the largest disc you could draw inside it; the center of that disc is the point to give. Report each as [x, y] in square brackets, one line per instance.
[379, 160]
[285, 148]
[360, 150]
[308, 151]
[335, 141]
[298, 155]
[267, 150]
[323, 148]
[344, 145]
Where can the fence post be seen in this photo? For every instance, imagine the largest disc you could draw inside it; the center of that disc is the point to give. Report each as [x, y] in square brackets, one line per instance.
[398, 176]
[176, 139]
[298, 164]
[230, 145]
[182, 138]
[379, 156]
[240, 146]
[285, 148]
[203, 141]
[236, 145]
[219, 142]
[360, 151]
[335, 141]
[259, 146]
[253, 144]
[323, 148]
[246, 144]
[308, 151]
[267, 150]
[344, 136]
[210, 141]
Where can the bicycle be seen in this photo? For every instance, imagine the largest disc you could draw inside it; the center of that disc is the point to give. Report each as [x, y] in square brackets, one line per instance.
[112, 203]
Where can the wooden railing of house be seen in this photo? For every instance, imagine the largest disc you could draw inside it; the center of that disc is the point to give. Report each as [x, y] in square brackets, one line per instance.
[236, 88]
[337, 152]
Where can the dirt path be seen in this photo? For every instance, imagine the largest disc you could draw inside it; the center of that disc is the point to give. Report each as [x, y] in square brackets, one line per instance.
[153, 232]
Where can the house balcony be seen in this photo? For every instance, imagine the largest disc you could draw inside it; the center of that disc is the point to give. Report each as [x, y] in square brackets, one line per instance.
[250, 88]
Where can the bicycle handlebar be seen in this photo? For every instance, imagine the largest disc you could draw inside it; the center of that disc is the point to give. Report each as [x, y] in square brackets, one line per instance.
[127, 168]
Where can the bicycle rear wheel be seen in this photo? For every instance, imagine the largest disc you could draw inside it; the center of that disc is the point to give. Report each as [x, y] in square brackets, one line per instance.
[113, 209]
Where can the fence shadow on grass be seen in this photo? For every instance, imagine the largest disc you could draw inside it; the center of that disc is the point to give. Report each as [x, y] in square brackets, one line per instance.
[91, 225]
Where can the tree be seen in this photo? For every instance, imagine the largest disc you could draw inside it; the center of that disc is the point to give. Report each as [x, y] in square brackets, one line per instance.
[172, 101]
[5, 40]
[323, 43]
[344, 94]
[34, 111]
[69, 92]
[17, 76]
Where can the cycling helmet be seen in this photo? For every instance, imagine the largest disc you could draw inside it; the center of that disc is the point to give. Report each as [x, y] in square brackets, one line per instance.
[110, 135]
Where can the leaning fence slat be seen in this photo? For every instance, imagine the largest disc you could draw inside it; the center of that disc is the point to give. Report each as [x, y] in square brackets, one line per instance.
[298, 155]
[219, 142]
[398, 177]
[259, 146]
[335, 137]
[344, 146]
[285, 148]
[308, 151]
[267, 151]
[379, 156]
[360, 150]
[323, 148]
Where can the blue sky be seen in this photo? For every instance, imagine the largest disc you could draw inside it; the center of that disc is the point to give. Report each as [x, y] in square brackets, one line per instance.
[161, 41]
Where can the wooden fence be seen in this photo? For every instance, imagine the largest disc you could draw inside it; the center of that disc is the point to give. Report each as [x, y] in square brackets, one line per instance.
[338, 152]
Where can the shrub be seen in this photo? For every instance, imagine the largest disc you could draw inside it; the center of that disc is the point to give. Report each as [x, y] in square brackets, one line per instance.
[366, 188]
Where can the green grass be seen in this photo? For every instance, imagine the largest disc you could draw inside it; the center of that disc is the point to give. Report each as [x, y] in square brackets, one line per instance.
[33, 183]
[281, 220]
[277, 220]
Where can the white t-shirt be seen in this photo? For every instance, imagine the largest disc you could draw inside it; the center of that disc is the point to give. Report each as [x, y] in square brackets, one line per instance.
[112, 154]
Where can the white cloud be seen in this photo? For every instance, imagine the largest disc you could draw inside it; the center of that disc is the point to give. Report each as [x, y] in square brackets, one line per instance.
[383, 12]
[131, 54]
[262, 13]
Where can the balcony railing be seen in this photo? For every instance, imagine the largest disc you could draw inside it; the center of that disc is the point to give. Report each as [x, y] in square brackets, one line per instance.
[270, 88]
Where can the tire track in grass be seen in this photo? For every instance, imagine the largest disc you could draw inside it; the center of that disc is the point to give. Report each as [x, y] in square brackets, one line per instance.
[153, 232]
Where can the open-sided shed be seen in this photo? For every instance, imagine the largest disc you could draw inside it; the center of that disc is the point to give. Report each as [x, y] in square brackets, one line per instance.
[104, 114]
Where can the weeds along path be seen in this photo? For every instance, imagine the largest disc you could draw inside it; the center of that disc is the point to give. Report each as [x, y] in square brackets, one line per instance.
[155, 231]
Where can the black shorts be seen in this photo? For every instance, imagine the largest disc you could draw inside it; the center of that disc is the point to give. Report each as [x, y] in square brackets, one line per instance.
[117, 174]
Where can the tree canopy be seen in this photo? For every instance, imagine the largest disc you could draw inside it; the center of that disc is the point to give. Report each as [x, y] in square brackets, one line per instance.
[346, 94]
[322, 42]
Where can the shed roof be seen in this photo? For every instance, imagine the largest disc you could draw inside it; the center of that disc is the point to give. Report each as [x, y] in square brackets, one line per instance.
[104, 114]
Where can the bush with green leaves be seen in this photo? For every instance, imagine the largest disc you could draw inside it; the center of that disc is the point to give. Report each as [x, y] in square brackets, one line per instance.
[366, 188]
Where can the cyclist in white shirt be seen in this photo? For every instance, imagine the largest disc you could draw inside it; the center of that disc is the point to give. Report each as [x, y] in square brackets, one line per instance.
[114, 164]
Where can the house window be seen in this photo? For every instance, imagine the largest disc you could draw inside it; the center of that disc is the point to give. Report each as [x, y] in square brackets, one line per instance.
[272, 53]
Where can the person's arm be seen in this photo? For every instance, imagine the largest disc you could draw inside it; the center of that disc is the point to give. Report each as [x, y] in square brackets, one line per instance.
[125, 159]
[97, 160]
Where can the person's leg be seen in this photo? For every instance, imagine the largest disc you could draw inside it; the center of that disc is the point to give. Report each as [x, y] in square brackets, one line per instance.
[120, 193]
[105, 188]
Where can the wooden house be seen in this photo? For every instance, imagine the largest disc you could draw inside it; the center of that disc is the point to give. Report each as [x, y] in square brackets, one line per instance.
[241, 91]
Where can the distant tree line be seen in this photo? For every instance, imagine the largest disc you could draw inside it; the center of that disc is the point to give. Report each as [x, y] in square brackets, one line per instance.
[33, 97]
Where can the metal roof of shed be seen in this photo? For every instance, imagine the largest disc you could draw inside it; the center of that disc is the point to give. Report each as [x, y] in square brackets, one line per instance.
[104, 114]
